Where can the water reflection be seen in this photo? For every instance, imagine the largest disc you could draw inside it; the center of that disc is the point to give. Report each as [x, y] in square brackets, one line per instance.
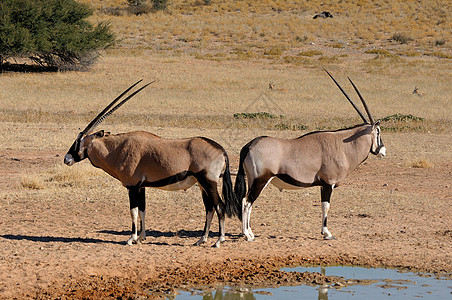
[380, 283]
[225, 293]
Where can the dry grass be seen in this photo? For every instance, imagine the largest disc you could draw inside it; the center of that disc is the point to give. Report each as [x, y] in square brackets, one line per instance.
[421, 163]
[263, 26]
[32, 182]
[82, 175]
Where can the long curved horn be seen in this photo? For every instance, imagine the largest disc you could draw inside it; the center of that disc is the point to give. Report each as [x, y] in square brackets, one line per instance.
[104, 113]
[346, 96]
[101, 119]
[372, 122]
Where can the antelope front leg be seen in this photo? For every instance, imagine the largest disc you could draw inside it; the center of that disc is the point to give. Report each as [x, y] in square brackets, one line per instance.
[134, 215]
[137, 199]
[326, 191]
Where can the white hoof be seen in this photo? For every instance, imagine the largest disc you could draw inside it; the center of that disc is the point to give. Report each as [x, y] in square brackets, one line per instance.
[132, 239]
[249, 238]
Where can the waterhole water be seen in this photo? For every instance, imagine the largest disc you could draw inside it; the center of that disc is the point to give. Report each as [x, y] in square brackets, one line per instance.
[383, 284]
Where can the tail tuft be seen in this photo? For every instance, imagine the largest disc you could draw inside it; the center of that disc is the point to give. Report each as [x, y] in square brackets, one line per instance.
[232, 205]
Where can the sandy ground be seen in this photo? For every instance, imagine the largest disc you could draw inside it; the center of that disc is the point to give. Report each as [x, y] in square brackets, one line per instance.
[70, 242]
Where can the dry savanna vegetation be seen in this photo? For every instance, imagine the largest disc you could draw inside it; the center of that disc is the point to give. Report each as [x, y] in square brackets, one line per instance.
[63, 230]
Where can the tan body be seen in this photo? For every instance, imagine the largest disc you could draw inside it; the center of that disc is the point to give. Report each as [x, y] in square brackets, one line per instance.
[317, 157]
[322, 158]
[141, 159]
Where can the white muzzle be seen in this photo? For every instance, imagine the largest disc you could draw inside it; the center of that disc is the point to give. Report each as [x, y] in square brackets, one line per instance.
[69, 160]
[382, 152]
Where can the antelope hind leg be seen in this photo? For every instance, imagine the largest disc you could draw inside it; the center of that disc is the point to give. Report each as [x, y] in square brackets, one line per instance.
[205, 236]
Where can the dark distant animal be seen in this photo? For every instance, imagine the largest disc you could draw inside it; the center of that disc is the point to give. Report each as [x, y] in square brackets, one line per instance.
[321, 158]
[324, 15]
[141, 159]
[416, 91]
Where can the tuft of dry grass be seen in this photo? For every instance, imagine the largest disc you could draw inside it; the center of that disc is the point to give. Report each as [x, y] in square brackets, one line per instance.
[421, 163]
[79, 175]
[61, 176]
[32, 182]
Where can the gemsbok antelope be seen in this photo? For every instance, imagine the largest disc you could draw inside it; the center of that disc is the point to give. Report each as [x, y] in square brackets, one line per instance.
[141, 159]
[321, 158]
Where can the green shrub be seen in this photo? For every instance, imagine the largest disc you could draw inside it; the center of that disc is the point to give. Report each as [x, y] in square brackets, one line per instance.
[51, 33]
[400, 117]
[258, 115]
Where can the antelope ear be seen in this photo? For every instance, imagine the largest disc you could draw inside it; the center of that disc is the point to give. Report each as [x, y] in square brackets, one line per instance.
[99, 134]
[376, 124]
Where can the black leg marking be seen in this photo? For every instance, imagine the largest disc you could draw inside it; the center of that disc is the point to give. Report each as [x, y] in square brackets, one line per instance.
[326, 191]
[137, 198]
[256, 188]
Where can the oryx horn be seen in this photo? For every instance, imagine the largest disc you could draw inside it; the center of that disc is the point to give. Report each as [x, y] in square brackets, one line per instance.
[364, 102]
[348, 98]
[109, 110]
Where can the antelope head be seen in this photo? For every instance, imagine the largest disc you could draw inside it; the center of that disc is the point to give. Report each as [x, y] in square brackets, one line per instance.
[78, 150]
[377, 147]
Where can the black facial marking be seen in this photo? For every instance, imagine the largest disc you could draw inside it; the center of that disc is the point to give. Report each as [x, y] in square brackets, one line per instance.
[75, 149]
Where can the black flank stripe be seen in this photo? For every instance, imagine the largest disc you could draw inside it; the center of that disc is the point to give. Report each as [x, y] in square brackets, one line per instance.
[289, 180]
[167, 181]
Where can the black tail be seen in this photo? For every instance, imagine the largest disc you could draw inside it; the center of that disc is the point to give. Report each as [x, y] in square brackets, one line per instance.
[232, 206]
[240, 183]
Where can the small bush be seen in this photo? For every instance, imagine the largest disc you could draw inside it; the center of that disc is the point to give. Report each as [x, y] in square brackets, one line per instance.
[301, 39]
[379, 52]
[294, 127]
[403, 118]
[421, 163]
[259, 115]
[401, 38]
[32, 182]
[274, 51]
[160, 4]
[310, 53]
[440, 42]
[139, 8]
